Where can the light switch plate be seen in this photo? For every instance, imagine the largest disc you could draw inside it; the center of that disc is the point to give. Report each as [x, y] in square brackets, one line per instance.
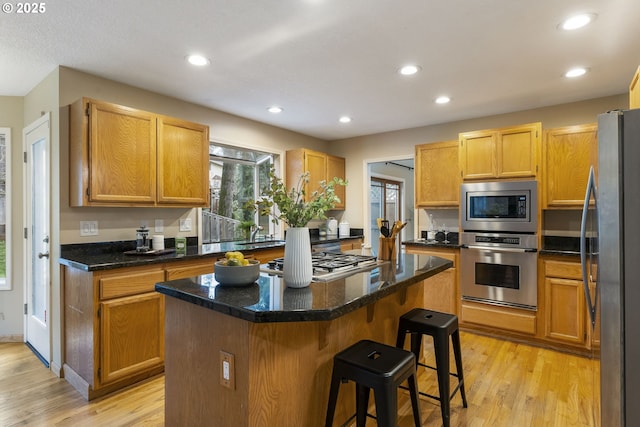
[159, 226]
[185, 224]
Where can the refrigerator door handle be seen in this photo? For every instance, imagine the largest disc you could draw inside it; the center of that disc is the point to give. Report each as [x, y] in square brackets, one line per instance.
[591, 304]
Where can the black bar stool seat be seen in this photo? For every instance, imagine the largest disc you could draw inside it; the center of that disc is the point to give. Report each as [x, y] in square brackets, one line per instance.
[440, 326]
[372, 365]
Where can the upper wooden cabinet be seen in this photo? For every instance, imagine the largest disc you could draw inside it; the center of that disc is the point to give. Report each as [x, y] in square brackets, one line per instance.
[634, 90]
[437, 179]
[567, 154]
[321, 167]
[120, 156]
[500, 153]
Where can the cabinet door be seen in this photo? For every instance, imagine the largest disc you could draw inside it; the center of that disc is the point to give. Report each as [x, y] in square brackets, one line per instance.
[565, 312]
[478, 154]
[517, 150]
[132, 336]
[122, 155]
[316, 164]
[634, 90]
[336, 168]
[568, 153]
[437, 177]
[183, 163]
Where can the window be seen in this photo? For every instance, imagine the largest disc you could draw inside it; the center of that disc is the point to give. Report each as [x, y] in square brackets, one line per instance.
[236, 175]
[5, 207]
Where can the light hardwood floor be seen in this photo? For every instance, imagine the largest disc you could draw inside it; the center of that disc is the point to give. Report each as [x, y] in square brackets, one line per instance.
[508, 384]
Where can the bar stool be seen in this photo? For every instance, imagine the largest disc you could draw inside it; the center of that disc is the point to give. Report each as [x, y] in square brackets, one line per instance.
[440, 326]
[372, 365]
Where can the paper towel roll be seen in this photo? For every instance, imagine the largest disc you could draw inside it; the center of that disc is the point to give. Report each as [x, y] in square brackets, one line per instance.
[158, 242]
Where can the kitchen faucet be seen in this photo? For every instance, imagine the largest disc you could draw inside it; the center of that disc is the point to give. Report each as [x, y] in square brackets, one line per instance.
[255, 232]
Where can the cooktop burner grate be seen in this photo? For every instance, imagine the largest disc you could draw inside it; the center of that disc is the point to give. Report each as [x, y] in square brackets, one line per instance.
[330, 261]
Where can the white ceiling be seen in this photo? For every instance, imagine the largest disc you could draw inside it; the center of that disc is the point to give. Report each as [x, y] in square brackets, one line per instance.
[320, 59]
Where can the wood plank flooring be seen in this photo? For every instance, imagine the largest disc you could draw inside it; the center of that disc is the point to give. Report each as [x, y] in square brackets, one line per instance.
[508, 384]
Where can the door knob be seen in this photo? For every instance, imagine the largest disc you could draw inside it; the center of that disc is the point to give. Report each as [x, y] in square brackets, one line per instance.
[43, 255]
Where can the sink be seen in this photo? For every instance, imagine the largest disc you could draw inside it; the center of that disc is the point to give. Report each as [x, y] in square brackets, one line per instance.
[262, 243]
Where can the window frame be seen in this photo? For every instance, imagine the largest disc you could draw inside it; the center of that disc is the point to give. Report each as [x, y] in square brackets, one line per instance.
[6, 284]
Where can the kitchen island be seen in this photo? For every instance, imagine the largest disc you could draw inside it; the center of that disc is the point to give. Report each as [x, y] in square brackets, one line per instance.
[280, 342]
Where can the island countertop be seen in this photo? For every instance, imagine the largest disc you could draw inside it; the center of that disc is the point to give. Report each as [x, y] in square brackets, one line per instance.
[270, 300]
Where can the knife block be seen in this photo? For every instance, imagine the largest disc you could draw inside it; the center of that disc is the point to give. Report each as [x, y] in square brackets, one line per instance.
[387, 248]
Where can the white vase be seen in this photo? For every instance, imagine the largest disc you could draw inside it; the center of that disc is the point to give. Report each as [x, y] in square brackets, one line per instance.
[297, 271]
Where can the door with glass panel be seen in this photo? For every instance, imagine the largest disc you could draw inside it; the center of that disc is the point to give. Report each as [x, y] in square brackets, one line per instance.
[37, 220]
[385, 203]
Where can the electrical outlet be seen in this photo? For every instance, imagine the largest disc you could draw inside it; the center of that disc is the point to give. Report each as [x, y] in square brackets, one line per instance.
[185, 224]
[227, 370]
[88, 228]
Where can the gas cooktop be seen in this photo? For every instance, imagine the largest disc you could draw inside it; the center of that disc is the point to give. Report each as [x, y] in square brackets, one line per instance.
[327, 265]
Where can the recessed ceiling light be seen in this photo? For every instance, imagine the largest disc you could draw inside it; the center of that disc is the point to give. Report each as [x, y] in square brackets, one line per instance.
[345, 119]
[577, 21]
[197, 60]
[409, 70]
[274, 109]
[442, 99]
[575, 72]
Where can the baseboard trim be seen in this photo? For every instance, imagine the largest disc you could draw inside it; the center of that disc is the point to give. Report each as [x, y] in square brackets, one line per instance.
[12, 338]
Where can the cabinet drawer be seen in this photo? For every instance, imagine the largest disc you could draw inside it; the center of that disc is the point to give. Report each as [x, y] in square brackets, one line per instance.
[190, 270]
[129, 284]
[566, 270]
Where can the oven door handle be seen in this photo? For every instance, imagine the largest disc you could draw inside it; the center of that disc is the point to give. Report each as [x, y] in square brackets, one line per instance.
[495, 249]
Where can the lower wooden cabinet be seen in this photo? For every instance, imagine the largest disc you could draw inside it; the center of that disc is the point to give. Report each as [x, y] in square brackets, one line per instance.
[350, 244]
[566, 317]
[440, 291]
[131, 336]
[113, 327]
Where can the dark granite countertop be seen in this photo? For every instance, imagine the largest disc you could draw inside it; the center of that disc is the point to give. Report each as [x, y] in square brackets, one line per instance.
[270, 300]
[433, 243]
[110, 255]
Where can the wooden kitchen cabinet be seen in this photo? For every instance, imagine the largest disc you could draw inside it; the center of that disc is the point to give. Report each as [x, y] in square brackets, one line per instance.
[321, 167]
[336, 167]
[634, 90]
[440, 291]
[510, 152]
[567, 155]
[437, 178]
[132, 336]
[566, 316]
[114, 327]
[121, 156]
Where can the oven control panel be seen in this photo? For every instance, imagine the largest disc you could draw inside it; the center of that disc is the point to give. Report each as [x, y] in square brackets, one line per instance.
[497, 240]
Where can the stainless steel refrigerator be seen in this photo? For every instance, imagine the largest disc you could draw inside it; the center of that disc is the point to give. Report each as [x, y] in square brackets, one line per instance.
[617, 194]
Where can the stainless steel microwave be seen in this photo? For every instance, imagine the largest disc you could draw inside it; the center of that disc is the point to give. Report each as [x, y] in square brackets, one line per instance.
[506, 206]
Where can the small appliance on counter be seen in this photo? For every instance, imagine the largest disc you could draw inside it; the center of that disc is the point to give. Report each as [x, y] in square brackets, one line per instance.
[344, 229]
[332, 227]
[142, 239]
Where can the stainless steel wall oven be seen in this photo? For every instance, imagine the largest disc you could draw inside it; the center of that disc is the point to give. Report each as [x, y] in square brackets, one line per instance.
[499, 269]
[499, 261]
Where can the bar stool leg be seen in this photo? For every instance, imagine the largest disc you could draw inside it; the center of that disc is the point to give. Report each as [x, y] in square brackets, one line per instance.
[386, 406]
[442, 364]
[413, 391]
[333, 399]
[362, 405]
[455, 338]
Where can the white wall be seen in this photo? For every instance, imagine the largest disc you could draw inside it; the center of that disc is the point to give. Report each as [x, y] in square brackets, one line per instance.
[11, 116]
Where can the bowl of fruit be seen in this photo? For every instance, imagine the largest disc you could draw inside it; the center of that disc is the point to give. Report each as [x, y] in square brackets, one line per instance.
[235, 270]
